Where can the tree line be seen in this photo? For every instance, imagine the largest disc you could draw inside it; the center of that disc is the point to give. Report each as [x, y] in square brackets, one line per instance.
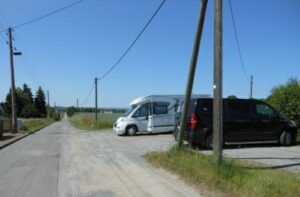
[286, 98]
[27, 105]
[72, 110]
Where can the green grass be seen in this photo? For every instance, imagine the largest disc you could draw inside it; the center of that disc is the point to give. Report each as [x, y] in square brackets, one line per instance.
[232, 178]
[86, 121]
[34, 124]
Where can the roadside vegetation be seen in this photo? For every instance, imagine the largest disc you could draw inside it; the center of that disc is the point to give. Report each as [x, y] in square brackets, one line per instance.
[86, 121]
[29, 106]
[33, 125]
[232, 178]
[286, 98]
[32, 109]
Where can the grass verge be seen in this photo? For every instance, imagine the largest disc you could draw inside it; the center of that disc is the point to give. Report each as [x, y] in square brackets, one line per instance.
[232, 178]
[88, 123]
[32, 125]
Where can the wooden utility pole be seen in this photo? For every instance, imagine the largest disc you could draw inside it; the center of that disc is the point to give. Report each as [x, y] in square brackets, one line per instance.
[12, 74]
[48, 105]
[96, 98]
[190, 80]
[218, 85]
[251, 86]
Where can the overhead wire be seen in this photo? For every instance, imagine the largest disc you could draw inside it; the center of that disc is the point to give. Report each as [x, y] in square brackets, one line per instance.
[133, 43]
[46, 15]
[238, 43]
[25, 63]
[89, 94]
[3, 38]
[5, 21]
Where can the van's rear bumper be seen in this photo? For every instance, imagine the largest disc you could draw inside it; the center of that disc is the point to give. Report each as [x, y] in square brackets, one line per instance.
[196, 136]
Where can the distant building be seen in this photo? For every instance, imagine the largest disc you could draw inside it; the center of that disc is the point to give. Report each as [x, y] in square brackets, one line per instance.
[108, 111]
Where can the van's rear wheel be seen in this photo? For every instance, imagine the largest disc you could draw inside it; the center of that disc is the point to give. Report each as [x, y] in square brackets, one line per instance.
[209, 141]
[131, 130]
[286, 138]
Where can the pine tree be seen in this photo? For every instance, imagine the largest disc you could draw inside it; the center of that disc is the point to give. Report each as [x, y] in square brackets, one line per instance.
[27, 94]
[20, 102]
[7, 104]
[40, 102]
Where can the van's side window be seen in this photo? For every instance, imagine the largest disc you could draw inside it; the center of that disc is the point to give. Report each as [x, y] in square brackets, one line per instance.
[142, 111]
[239, 110]
[264, 110]
[160, 108]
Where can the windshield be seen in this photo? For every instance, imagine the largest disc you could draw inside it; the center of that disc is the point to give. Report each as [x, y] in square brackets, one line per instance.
[129, 111]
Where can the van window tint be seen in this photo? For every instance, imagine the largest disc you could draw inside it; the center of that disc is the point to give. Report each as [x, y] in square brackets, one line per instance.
[160, 108]
[142, 111]
[264, 110]
[238, 109]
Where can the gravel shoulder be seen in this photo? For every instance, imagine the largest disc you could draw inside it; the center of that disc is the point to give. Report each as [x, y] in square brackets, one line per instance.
[103, 164]
[277, 157]
[60, 160]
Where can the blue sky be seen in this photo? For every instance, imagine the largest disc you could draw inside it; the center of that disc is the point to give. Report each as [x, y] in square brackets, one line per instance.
[65, 52]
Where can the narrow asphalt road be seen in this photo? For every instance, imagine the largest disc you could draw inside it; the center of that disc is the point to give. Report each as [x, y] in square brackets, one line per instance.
[63, 161]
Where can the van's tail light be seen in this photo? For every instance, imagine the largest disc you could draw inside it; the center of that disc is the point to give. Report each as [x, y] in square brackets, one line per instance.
[193, 121]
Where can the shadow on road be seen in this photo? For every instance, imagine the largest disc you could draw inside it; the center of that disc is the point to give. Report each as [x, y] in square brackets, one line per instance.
[6, 137]
[257, 158]
[145, 134]
[273, 167]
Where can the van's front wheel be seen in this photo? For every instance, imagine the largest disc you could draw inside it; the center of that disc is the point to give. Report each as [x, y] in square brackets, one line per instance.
[286, 138]
[131, 130]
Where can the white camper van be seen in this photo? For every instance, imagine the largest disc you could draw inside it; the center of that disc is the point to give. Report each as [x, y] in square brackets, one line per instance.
[150, 114]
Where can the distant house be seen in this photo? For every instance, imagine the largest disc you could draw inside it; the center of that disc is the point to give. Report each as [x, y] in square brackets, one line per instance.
[108, 111]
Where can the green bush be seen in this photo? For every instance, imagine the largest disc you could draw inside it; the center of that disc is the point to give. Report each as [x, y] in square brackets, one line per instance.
[70, 111]
[29, 111]
[54, 114]
[286, 98]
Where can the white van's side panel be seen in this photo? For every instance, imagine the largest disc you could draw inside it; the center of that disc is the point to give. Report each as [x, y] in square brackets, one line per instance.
[160, 120]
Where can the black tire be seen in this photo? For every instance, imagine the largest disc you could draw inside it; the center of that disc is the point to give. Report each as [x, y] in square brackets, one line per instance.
[209, 141]
[286, 138]
[131, 130]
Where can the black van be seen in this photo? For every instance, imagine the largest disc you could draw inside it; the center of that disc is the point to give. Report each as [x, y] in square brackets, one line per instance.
[245, 121]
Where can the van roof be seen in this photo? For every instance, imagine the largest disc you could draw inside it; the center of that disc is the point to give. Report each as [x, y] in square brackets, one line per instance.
[145, 99]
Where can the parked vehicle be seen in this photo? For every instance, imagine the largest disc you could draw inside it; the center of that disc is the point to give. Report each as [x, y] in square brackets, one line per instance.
[245, 121]
[150, 114]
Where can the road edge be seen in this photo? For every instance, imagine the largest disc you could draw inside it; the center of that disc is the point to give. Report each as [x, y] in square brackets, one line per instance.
[23, 136]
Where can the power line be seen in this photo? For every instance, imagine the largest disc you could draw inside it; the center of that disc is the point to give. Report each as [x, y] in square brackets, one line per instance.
[6, 21]
[134, 41]
[31, 74]
[238, 43]
[89, 94]
[3, 38]
[46, 15]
